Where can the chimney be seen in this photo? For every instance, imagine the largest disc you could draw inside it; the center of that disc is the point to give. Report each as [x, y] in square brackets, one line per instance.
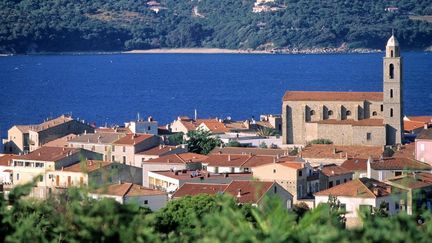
[239, 193]
[369, 170]
[278, 156]
[220, 152]
[85, 131]
[64, 148]
[208, 174]
[274, 159]
[39, 154]
[226, 175]
[346, 155]
[229, 157]
[425, 126]
[99, 137]
[334, 150]
[160, 146]
[120, 182]
[62, 168]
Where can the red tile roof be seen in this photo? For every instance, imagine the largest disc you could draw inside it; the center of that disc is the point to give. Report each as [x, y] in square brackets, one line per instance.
[248, 191]
[127, 189]
[355, 164]
[215, 126]
[199, 175]
[243, 191]
[331, 96]
[158, 150]
[293, 165]
[182, 158]
[409, 126]
[360, 188]
[6, 160]
[412, 181]
[399, 164]
[253, 151]
[60, 142]
[336, 151]
[424, 119]
[191, 189]
[49, 154]
[334, 170]
[237, 160]
[132, 139]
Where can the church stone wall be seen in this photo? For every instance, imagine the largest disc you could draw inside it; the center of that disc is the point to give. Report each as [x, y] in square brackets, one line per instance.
[338, 134]
[377, 135]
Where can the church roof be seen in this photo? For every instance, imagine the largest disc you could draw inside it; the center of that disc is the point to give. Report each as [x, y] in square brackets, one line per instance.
[331, 96]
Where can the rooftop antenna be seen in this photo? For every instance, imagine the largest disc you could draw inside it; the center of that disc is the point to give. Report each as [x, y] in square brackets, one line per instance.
[196, 114]
[392, 31]
[138, 116]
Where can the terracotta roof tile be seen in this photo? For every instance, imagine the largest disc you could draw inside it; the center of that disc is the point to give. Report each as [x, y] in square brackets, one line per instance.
[237, 160]
[355, 164]
[102, 138]
[215, 126]
[334, 170]
[413, 181]
[181, 158]
[409, 126]
[132, 139]
[158, 150]
[360, 188]
[202, 175]
[253, 151]
[399, 164]
[6, 160]
[424, 119]
[250, 191]
[191, 189]
[331, 96]
[340, 151]
[127, 189]
[49, 154]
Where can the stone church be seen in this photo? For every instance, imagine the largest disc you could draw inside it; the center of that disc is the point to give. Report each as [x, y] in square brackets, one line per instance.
[349, 118]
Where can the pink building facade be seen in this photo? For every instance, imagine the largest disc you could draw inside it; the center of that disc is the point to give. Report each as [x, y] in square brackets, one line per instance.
[423, 146]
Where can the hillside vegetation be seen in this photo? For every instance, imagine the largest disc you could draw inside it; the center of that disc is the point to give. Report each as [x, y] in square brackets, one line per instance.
[114, 25]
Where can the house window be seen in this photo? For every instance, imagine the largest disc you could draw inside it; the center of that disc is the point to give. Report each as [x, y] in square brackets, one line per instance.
[275, 189]
[113, 148]
[124, 159]
[149, 128]
[113, 158]
[274, 170]
[330, 113]
[106, 148]
[391, 71]
[391, 112]
[382, 107]
[41, 179]
[345, 180]
[391, 93]
[337, 182]
[300, 173]
[330, 184]
[93, 148]
[374, 113]
[398, 173]
[368, 136]
[17, 176]
[397, 206]
[124, 148]
[343, 207]
[348, 113]
[146, 202]
[391, 53]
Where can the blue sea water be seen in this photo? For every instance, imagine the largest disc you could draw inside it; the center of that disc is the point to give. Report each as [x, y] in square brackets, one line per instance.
[112, 88]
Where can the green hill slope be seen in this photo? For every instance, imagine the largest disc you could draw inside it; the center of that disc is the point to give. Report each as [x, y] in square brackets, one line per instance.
[114, 25]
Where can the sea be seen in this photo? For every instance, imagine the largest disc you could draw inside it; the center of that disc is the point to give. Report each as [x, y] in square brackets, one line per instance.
[109, 89]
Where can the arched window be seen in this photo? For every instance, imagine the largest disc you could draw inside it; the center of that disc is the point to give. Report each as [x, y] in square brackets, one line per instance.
[348, 113]
[391, 93]
[330, 112]
[312, 112]
[391, 112]
[374, 113]
[391, 71]
[391, 53]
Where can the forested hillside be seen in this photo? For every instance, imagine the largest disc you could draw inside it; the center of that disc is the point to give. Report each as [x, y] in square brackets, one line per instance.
[112, 25]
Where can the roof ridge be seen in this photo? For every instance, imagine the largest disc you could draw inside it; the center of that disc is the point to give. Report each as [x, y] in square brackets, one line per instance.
[180, 158]
[128, 190]
[249, 158]
[367, 188]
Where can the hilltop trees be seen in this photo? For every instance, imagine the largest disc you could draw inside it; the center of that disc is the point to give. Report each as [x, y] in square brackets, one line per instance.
[66, 25]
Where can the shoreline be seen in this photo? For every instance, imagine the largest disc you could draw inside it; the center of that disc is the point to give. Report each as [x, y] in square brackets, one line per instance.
[284, 51]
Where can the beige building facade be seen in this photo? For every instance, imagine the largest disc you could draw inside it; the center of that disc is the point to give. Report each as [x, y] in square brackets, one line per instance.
[349, 118]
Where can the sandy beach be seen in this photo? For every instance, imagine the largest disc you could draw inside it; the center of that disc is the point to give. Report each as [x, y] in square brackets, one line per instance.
[195, 51]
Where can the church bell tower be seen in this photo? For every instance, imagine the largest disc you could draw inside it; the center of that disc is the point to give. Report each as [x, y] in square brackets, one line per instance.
[393, 96]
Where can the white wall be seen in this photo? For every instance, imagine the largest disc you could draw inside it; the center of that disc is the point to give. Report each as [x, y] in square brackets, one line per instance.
[154, 202]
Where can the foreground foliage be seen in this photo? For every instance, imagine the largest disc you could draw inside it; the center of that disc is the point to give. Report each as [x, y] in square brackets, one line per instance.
[75, 218]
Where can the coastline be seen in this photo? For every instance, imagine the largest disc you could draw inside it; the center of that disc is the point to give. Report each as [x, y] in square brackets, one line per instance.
[240, 51]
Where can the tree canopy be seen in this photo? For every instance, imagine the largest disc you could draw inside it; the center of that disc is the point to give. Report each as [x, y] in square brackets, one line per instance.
[28, 26]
